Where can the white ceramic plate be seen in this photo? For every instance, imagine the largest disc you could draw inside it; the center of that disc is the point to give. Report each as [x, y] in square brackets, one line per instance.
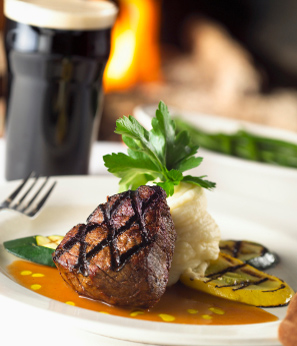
[271, 184]
[73, 200]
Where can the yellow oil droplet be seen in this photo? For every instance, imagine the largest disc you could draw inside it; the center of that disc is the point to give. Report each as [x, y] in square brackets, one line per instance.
[104, 312]
[37, 275]
[206, 317]
[35, 287]
[166, 317]
[192, 311]
[136, 313]
[217, 311]
[70, 303]
[26, 272]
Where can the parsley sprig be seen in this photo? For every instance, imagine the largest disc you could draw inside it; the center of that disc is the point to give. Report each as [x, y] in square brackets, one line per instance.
[159, 154]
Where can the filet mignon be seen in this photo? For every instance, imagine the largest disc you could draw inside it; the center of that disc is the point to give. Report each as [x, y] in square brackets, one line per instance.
[122, 255]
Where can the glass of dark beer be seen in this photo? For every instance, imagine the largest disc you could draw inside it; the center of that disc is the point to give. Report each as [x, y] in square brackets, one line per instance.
[56, 53]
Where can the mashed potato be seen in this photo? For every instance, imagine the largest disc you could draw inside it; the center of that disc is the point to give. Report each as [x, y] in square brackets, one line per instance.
[198, 235]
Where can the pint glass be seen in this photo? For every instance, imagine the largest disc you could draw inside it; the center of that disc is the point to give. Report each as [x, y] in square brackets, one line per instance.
[56, 53]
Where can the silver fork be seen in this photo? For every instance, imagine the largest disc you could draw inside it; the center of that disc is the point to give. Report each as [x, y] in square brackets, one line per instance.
[21, 201]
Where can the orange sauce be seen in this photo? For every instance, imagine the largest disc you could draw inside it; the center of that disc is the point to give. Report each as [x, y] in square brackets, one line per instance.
[179, 304]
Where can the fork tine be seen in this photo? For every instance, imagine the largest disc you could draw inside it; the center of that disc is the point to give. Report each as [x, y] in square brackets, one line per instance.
[19, 202]
[35, 196]
[10, 199]
[42, 201]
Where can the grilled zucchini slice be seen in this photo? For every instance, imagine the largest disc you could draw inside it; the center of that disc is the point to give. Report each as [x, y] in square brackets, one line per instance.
[232, 279]
[37, 249]
[249, 252]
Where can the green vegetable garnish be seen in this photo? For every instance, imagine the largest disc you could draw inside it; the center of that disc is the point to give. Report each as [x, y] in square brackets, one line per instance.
[160, 154]
[37, 249]
[244, 145]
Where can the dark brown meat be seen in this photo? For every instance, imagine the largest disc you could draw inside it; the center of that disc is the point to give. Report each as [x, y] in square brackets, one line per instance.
[123, 254]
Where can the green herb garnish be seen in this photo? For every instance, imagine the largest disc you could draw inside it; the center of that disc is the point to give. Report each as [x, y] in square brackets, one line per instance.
[160, 154]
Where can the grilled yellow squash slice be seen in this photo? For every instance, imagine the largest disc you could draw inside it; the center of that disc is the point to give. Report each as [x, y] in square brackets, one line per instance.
[232, 279]
[51, 241]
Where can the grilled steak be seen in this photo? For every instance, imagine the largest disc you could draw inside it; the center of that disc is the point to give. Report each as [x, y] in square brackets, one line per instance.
[122, 255]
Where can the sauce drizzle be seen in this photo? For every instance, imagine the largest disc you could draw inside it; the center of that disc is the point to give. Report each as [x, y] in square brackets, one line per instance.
[179, 304]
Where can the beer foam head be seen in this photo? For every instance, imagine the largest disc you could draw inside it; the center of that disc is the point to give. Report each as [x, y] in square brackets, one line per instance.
[62, 14]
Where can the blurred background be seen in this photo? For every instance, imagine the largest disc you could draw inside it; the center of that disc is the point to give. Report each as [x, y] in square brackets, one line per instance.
[232, 58]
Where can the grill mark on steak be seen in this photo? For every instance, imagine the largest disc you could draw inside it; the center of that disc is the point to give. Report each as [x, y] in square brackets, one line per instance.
[76, 239]
[111, 238]
[117, 260]
[97, 249]
[134, 195]
[82, 263]
[133, 251]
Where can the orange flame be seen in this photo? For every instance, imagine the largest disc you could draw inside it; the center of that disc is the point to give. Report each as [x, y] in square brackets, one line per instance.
[135, 55]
